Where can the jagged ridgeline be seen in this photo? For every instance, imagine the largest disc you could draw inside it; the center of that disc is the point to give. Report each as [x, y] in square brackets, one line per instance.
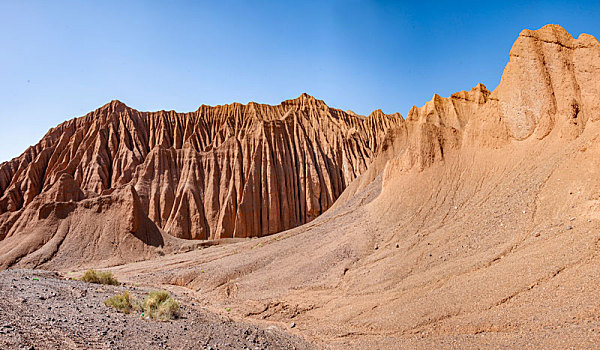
[118, 184]
[226, 171]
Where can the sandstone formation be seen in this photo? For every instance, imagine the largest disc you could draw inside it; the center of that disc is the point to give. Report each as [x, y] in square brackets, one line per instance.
[550, 81]
[60, 228]
[476, 226]
[550, 84]
[220, 172]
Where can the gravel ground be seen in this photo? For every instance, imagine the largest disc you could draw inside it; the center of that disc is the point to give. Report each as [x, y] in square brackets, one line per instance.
[39, 310]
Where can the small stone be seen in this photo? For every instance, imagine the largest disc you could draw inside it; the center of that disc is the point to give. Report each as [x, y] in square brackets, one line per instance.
[569, 227]
[292, 325]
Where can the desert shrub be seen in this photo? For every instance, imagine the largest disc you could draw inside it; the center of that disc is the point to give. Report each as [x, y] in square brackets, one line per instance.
[168, 310]
[100, 277]
[160, 306]
[120, 302]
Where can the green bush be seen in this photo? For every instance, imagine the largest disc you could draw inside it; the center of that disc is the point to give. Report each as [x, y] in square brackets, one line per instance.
[100, 277]
[120, 302]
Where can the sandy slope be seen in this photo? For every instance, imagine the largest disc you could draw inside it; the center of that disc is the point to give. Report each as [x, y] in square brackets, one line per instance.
[478, 229]
[501, 253]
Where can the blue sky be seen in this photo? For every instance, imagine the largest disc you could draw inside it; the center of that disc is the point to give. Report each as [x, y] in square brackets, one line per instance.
[62, 59]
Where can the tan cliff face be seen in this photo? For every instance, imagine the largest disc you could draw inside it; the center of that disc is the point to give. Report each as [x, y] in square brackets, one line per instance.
[225, 171]
[551, 84]
[551, 80]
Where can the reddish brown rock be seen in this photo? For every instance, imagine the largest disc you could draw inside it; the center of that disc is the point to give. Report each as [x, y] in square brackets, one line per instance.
[59, 228]
[225, 171]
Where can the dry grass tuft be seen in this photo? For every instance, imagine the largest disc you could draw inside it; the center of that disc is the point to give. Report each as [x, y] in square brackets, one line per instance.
[158, 305]
[120, 302]
[100, 277]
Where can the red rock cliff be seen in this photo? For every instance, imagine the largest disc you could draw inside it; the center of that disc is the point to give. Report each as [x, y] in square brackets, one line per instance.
[226, 171]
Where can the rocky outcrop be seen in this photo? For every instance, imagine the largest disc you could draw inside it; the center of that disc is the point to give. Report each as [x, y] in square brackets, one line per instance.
[60, 228]
[551, 84]
[226, 171]
[551, 80]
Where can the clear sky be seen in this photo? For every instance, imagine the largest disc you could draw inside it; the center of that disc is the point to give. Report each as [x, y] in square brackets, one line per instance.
[62, 59]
